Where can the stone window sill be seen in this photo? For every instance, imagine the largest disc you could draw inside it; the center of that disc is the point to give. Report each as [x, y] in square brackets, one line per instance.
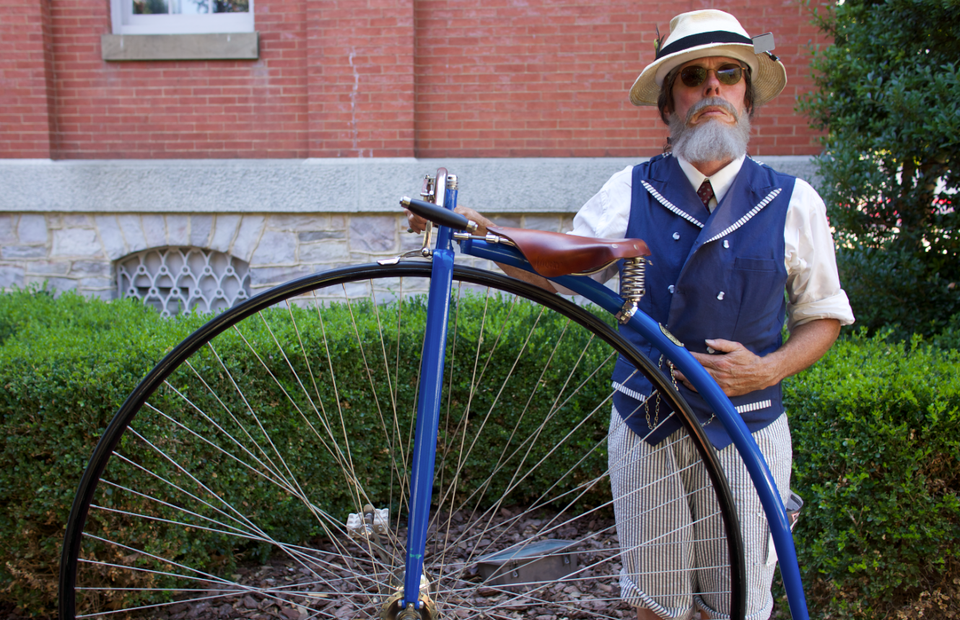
[217, 46]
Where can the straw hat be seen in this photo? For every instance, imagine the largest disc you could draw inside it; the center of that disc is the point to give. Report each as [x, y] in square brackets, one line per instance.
[699, 34]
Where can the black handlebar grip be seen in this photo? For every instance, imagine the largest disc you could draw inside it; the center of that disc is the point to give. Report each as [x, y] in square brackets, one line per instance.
[437, 215]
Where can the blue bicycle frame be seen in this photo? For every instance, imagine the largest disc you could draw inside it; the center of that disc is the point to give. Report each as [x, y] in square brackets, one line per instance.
[432, 379]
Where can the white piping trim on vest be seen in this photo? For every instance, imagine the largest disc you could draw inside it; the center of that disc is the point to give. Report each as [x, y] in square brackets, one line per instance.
[760, 404]
[669, 205]
[631, 393]
[743, 220]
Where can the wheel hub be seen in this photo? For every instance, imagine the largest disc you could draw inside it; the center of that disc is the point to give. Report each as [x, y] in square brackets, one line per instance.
[393, 610]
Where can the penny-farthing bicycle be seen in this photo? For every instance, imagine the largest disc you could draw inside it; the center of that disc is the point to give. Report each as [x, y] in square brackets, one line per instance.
[411, 439]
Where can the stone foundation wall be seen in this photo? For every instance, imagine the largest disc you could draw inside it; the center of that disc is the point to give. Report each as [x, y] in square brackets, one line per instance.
[80, 251]
[68, 223]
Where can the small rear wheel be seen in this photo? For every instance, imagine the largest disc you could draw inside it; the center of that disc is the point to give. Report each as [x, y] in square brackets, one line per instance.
[262, 468]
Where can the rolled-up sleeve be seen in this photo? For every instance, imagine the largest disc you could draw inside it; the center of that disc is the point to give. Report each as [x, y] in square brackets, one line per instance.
[606, 215]
[813, 284]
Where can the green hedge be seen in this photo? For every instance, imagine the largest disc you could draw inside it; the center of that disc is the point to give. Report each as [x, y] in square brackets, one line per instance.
[67, 364]
[876, 431]
[875, 427]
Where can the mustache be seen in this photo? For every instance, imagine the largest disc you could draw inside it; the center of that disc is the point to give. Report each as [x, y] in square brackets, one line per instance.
[712, 102]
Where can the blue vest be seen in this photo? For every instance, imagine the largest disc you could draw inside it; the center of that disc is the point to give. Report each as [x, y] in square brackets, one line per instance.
[718, 275]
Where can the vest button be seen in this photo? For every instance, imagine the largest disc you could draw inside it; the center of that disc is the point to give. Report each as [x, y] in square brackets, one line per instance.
[726, 243]
[720, 296]
[676, 236]
[671, 288]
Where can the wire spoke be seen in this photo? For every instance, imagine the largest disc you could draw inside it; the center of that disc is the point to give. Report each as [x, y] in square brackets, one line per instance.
[248, 471]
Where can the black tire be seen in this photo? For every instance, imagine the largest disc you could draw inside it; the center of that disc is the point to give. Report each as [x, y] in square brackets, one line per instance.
[250, 443]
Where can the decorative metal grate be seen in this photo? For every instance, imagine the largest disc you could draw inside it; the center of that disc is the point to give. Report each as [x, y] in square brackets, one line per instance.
[182, 280]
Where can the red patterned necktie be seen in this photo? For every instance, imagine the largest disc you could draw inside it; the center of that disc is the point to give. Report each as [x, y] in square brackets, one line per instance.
[705, 192]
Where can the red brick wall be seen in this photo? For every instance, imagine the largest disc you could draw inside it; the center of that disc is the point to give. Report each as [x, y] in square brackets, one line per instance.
[549, 78]
[369, 78]
[26, 80]
[361, 75]
[182, 109]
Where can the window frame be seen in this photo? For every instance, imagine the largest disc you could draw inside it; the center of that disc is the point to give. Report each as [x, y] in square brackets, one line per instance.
[125, 22]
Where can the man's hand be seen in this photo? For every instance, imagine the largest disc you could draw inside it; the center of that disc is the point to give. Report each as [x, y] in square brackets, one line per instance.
[736, 369]
[417, 224]
[481, 220]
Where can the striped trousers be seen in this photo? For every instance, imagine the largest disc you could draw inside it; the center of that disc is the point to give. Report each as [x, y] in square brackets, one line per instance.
[671, 535]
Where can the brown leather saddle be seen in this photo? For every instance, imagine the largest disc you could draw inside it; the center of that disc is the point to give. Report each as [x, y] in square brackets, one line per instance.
[556, 254]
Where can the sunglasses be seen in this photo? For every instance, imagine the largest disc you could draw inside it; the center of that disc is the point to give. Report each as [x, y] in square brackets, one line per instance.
[696, 75]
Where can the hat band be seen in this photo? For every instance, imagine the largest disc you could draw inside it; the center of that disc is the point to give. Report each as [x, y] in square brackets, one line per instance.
[703, 38]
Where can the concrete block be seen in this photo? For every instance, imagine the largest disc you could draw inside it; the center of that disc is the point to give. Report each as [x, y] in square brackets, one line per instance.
[74, 220]
[200, 228]
[110, 235]
[320, 235]
[261, 277]
[295, 223]
[178, 230]
[373, 233]
[224, 230]
[248, 236]
[513, 220]
[550, 223]
[32, 229]
[79, 242]
[207, 46]
[90, 268]
[48, 268]
[324, 252]
[275, 248]
[336, 221]
[11, 276]
[132, 232]
[154, 230]
[15, 252]
[8, 231]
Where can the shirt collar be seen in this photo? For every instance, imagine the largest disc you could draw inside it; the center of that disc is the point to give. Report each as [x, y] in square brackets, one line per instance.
[720, 182]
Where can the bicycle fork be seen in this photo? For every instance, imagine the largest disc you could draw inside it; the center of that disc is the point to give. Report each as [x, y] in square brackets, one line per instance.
[416, 604]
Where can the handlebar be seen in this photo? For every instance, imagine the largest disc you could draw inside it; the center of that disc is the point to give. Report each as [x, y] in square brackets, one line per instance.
[438, 215]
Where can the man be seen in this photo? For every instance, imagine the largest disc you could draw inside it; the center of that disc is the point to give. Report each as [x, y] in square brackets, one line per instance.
[728, 236]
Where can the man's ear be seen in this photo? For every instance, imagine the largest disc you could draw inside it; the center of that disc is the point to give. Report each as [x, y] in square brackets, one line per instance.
[666, 111]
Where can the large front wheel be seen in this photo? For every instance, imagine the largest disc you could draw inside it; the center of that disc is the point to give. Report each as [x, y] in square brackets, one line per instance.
[262, 468]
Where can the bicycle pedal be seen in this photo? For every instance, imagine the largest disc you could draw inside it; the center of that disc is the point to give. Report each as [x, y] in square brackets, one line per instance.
[362, 526]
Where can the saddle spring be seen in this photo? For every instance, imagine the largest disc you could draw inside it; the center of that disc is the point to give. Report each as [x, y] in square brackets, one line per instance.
[632, 286]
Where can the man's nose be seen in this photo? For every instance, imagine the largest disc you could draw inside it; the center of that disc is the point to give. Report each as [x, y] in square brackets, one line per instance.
[711, 85]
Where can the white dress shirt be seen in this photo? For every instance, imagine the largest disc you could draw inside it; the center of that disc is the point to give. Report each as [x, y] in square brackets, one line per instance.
[813, 285]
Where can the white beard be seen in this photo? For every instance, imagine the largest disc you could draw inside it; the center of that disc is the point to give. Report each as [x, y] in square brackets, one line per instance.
[713, 140]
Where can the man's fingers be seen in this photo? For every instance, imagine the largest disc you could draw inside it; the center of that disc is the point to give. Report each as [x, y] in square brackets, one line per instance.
[415, 223]
[719, 345]
[706, 360]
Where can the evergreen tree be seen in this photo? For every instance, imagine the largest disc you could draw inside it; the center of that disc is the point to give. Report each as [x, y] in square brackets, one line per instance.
[889, 100]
